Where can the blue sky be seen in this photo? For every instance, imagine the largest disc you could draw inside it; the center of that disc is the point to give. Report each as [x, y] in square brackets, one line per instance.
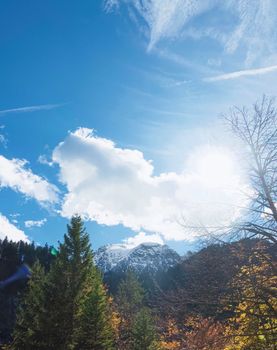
[110, 109]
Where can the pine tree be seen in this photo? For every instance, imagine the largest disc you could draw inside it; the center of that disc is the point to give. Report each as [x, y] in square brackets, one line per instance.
[28, 333]
[144, 333]
[130, 295]
[95, 325]
[68, 308]
[65, 284]
[129, 300]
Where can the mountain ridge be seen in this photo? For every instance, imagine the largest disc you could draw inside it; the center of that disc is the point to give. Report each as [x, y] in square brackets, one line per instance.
[145, 257]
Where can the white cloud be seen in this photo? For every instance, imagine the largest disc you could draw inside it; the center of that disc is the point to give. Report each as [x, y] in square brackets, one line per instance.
[42, 159]
[15, 175]
[29, 109]
[35, 223]
[164, 18]
[3, 140]
[142, 237]
[254, 23]
[256, 29]
[7, 229]
[242, 73]
[113, 186]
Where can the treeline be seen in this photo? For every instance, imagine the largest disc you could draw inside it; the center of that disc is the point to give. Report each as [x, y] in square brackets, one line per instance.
[221, 298]
[66, 305]
[12, 256]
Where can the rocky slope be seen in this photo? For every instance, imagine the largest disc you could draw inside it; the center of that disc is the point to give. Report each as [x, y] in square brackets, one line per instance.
[146, 257]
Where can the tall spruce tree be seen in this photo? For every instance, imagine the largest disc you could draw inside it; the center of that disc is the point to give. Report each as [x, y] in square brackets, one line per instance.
[68, 308]
[66, 282]
[29, 333]
[129, 300]
[95, 324]
[144, 333]
[130, 295]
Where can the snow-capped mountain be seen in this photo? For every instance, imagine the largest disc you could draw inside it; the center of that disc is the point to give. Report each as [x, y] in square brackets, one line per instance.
[146, 257]
[108, 256]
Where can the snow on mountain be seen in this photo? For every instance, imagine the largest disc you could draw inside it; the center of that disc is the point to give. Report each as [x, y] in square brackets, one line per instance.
[146, 257]
[108, 256]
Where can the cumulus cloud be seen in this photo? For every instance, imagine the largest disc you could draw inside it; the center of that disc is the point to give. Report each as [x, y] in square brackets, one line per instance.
[254, 22]
[142, 237]
[112, 185]
[35, 223]
[15, 175]
[7, 229]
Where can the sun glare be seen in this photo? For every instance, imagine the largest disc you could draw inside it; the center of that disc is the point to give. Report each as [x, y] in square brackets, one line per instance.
[217, 166]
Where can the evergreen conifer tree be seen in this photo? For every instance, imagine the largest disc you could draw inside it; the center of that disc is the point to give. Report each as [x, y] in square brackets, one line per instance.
[130, 295]
[28, 333]
[67, 279]
[95, 325]
[144, 333]
[129, 300]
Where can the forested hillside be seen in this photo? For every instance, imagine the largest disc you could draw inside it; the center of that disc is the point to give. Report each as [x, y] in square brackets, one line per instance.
[12, 256]
[222, 297]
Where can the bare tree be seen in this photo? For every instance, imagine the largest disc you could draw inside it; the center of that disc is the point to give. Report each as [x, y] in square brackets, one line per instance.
[257, 129]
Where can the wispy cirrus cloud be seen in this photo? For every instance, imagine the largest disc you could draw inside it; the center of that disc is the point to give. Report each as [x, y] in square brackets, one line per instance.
[252, 27]
[29, 109]
[256, 29]
[3, 140]
[242, 73]
[164, 18]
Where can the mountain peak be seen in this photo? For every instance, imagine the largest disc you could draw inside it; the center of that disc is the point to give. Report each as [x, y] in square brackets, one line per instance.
[146, 257]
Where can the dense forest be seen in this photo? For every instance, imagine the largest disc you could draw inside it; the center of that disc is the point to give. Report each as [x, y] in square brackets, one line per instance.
[222, 297]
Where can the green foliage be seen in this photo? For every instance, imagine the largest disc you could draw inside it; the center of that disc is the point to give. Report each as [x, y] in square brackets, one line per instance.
[67, 309]
[65, 284]
[130, 295]
[12, 254]
[129, 300]
[144, 333]
[28, 332]
[95, 327]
